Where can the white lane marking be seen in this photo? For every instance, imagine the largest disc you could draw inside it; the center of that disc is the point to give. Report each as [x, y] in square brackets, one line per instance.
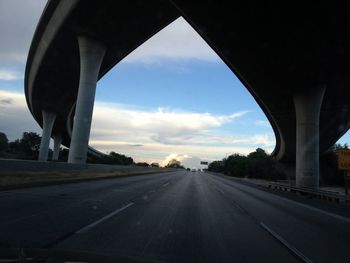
[286, 244]
[86, 228]
[166, 184]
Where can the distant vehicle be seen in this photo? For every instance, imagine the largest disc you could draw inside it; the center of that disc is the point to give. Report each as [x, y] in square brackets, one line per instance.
[193, 170]
[188, 169]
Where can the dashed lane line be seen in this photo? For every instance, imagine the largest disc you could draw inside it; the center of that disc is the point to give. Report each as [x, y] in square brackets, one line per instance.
[286, 244]
[88, 227]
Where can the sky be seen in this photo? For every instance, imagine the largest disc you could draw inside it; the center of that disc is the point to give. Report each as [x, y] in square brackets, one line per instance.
[172, 97]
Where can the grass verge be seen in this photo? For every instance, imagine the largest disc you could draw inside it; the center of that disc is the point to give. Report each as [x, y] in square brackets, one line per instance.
[15, 180]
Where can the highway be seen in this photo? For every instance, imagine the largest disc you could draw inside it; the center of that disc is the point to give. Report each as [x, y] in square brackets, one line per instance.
[171, 217]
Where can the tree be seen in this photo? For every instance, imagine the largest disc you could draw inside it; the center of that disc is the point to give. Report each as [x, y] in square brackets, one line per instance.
[257, 164]
[338, 146]
[27, 147]
[143, 164]
[258, 154]
[217, 166]
[236, 165]
[15, 146]
[260, 165]
[117, 158]
[64, 152]
[4, 142]
[111, 158]
[173, 163]
[30, 143]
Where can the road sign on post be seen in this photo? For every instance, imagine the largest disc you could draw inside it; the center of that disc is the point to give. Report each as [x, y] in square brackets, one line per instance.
[346, 182]
[348, 174]
[343, 159]
[344, 164]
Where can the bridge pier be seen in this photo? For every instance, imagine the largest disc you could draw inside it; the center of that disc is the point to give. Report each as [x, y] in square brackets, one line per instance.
[48, 121]
[57, 140]
[308, 106]
[91, 56]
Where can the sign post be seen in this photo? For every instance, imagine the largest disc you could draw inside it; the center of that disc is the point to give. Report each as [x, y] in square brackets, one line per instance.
[346, 181]
[344, 164]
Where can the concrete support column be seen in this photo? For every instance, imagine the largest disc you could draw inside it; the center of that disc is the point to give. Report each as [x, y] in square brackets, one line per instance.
[57, 140]
[308, 106]
[91, 55]
[48, 121]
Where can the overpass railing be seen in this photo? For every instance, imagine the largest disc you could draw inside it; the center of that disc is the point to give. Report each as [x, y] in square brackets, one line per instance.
[320, 194]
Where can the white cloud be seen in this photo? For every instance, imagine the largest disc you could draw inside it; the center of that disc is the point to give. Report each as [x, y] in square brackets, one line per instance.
[146, 135]
[161, 125]
[159, 132]
[224, 139]
[262, 123]
[177, 41]
[18, 20]
[6, 74]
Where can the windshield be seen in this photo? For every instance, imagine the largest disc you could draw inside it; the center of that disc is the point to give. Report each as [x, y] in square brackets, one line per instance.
[173, 131]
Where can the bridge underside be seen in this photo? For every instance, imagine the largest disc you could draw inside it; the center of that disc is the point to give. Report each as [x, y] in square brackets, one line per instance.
[277, 51]
[120, 25]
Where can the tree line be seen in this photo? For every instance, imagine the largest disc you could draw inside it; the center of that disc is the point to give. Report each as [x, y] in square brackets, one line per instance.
[27, 148]
[257, 164]
[260, 165]
[173, 163]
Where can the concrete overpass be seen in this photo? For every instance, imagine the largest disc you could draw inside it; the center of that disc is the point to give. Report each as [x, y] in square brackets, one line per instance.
[293, 59]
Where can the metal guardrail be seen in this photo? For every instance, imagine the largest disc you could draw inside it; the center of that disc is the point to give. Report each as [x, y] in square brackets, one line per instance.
[321, 194]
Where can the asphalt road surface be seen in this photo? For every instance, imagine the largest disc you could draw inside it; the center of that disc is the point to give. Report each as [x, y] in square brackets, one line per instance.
[171, 217]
